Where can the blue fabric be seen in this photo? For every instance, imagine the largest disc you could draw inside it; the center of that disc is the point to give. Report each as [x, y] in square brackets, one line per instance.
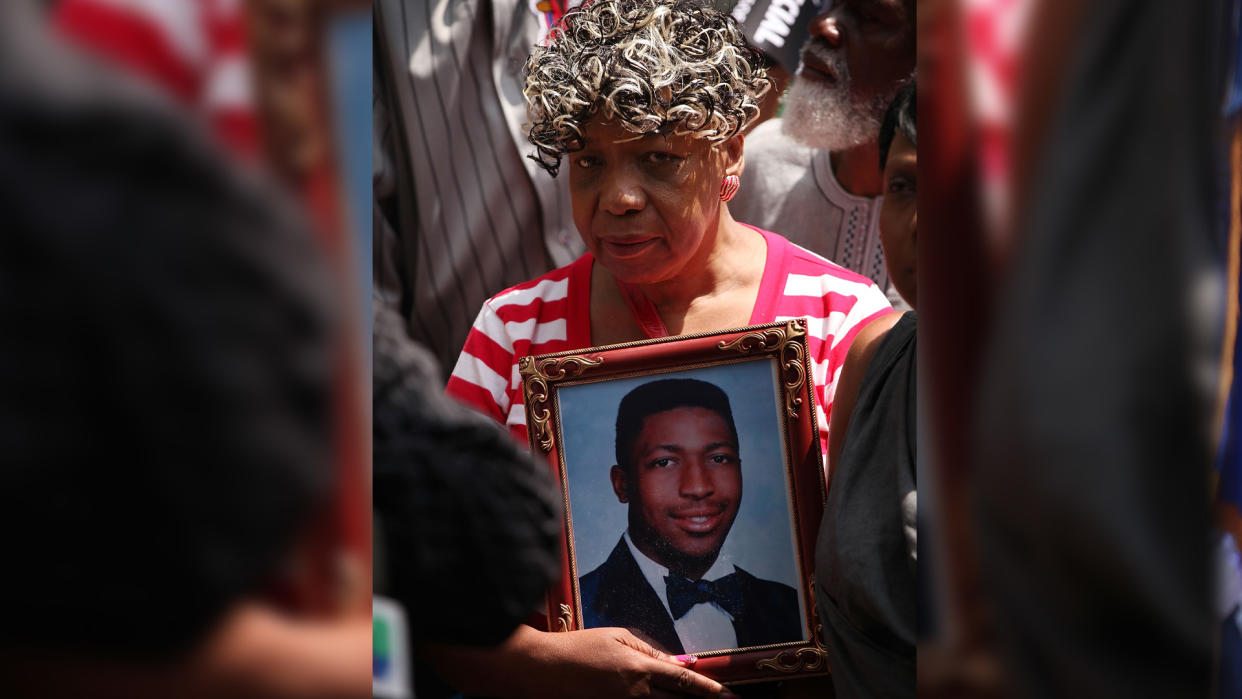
[1229, 488]
[1233, 48]
[1230, 651]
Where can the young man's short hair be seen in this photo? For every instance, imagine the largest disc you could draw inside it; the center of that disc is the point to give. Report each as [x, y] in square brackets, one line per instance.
[659, 396]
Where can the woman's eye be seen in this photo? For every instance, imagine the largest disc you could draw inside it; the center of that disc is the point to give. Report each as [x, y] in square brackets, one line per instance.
[586, 162]
[662, 158]
[898, 185]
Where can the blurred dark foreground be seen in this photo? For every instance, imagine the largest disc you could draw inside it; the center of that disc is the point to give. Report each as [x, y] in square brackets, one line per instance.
[1075, 252]
[170, 390]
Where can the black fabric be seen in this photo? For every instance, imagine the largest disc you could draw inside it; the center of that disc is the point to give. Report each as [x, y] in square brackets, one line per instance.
[1091, 485]
[165, 365]
[684, 594]
[864, 572]
[617, 594]
[470, 522]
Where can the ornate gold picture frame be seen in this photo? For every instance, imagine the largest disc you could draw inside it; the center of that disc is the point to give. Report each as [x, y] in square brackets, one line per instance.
[692, 486]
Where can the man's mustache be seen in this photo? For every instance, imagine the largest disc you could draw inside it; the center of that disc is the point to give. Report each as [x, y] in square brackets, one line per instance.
[824, 53]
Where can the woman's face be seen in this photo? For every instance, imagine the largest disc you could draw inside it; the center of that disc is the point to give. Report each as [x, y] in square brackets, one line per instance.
[648, 207]
[899, 217]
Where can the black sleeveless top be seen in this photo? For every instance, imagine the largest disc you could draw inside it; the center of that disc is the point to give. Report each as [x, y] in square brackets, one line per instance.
[864, 561]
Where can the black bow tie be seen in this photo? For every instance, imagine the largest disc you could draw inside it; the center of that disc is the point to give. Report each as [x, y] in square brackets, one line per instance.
[684, 594]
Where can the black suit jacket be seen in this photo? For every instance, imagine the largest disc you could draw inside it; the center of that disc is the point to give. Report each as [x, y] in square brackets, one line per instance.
[617, 594]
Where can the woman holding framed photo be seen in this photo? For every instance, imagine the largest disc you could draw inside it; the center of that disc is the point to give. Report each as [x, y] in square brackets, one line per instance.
[647, 100]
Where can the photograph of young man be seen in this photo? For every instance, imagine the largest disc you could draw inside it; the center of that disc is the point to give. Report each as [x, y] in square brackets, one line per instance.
[678, 470]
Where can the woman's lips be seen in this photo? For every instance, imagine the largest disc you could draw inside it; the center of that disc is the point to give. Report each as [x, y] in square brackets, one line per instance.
[624, 248]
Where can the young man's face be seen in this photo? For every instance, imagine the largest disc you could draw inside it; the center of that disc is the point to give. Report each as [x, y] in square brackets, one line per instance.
[683, 489]
[899, 217]
[859, 53]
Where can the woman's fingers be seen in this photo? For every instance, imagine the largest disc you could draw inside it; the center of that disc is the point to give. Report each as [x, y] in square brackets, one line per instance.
[683, 681]
[671, 676]
[638, 644]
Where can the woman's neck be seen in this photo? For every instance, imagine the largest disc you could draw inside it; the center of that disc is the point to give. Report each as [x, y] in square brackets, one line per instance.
[725, 265]
[716, 291]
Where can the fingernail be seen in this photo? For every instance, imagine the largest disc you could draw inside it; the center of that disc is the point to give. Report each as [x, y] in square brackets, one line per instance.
[687, 659]
[726, 694]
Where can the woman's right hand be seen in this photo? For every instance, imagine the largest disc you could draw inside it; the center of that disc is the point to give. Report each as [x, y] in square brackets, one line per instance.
[603, 662]
[612, 662]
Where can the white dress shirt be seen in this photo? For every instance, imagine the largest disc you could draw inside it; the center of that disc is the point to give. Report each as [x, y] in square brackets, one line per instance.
[706, 626]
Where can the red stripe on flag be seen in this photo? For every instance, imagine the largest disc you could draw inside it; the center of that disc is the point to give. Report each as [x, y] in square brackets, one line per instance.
[129, 39]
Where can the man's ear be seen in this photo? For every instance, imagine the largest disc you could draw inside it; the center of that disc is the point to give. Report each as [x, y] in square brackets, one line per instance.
[735, 157]
[620, 484]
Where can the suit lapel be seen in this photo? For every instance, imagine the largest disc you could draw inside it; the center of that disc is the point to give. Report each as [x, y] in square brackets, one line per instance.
[626, 599]
[769, 613]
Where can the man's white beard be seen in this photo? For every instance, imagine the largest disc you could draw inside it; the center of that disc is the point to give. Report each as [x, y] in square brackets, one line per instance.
[830, 117]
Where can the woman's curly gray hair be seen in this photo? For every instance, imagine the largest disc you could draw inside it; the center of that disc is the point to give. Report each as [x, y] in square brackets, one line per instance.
[671, 66]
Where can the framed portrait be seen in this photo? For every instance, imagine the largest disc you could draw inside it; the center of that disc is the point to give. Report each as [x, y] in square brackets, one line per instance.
[692, 489]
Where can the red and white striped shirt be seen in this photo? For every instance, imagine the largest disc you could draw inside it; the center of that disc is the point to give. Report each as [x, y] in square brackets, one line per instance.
[552, 314]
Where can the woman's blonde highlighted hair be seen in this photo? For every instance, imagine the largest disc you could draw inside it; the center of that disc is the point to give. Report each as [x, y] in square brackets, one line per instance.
[668, 66]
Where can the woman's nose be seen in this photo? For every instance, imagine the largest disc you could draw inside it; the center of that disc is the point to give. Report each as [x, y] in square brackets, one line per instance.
[622, 195]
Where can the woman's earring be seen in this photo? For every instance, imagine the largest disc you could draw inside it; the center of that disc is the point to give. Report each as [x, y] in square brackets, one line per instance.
[728, 187]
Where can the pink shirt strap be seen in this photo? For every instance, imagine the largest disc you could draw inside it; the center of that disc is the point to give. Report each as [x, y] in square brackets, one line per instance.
[644, 311]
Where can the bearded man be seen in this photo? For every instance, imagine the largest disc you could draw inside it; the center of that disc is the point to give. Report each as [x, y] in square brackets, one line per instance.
[812, 174]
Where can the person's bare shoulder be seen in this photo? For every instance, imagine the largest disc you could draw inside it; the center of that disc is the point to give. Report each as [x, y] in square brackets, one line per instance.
[868, 339]
[852, 370]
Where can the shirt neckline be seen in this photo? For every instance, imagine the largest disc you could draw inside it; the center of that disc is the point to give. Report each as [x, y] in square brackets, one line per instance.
[654, 572]
[579, 335]
[826, 180]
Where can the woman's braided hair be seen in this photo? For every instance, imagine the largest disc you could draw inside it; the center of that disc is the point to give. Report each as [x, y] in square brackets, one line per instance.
[668, 66]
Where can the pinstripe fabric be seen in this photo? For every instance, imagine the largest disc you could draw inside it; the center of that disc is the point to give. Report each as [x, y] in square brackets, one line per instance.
[461, 212]
[552, 314]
